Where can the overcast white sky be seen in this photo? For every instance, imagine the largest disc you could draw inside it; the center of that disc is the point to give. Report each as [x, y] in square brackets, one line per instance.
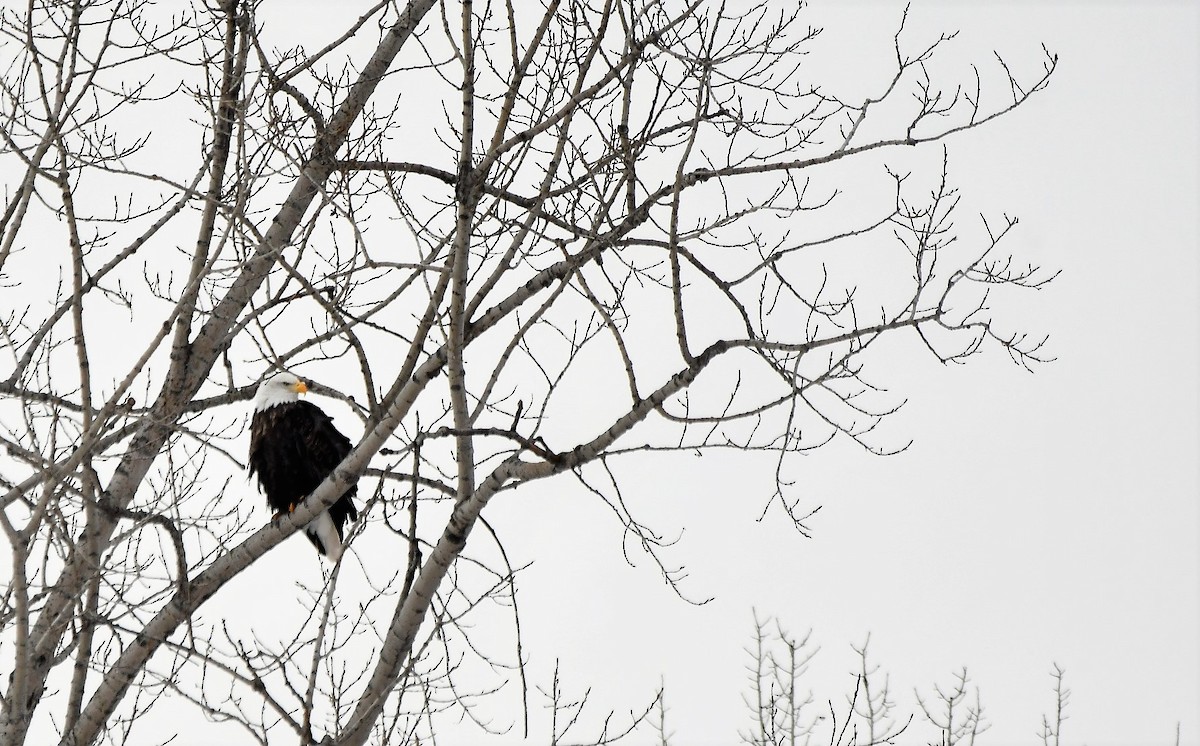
[1038, 519]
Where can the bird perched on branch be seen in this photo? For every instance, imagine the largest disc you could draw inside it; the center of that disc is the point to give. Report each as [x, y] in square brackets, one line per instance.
[293, 448]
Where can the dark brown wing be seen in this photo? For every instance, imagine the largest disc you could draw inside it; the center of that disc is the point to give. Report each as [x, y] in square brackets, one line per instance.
[293, 447]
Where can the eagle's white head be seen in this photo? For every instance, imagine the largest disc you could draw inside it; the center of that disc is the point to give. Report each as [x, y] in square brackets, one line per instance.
[280, 388]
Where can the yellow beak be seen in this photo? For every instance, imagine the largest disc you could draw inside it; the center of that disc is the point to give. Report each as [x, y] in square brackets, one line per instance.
[300, 387]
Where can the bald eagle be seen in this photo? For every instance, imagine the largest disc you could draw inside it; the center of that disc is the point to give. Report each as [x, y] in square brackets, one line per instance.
[293, 447]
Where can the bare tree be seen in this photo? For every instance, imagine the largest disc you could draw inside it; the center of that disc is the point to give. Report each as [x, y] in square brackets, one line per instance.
[779, 716]
[1051, 732]
[517, 241]
[873, 703]
[780, 711]
[951, 711]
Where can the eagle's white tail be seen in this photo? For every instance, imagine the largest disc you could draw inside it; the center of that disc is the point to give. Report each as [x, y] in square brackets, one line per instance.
[323, 530]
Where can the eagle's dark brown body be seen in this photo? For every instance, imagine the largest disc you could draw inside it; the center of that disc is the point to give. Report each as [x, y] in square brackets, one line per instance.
[293, 448]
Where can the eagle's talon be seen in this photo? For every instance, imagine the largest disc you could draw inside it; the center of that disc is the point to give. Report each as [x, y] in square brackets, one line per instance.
[291, 508]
